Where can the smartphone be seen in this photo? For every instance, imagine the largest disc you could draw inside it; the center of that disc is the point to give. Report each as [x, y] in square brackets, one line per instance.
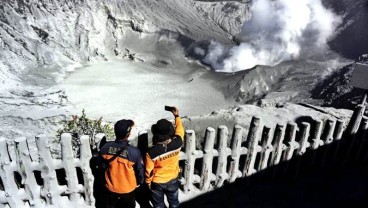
[169, 108]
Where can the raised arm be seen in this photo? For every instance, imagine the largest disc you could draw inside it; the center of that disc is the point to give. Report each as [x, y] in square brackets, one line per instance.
[179, 128]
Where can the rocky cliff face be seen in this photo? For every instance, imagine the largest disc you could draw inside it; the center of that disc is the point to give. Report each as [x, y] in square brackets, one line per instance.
[351, 40]
[42, 41]
[55, 34]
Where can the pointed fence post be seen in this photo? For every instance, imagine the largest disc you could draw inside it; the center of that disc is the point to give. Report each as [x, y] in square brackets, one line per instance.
[7, 176]
[85, 156]
[224, 152]
[51, 190]
[267, 148]
[236, 152]
[26, 167]
[209, 152]
[278, 145]
[253, 146]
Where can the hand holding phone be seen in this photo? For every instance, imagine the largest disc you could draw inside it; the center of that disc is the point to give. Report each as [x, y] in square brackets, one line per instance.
[173, 110]
[169, 108]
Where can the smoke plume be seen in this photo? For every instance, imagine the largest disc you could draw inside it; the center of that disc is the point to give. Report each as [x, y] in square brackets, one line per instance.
[278, 30]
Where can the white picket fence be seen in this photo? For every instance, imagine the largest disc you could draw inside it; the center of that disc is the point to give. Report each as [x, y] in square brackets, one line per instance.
[265, 146]
[29, 174]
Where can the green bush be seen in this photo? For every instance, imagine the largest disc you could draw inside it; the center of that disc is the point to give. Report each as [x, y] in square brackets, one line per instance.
[82, 125]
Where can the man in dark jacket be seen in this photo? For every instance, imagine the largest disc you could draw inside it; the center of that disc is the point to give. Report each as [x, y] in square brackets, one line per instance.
[124, 167]
[162, 161]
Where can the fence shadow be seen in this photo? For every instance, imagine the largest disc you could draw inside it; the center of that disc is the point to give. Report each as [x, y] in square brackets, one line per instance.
[332, 180]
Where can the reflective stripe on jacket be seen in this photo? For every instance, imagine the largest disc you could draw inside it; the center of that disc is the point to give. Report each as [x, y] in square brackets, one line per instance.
[162, 160]
[124, 173]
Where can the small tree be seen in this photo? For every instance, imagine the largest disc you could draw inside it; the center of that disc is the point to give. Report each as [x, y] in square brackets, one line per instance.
[82, 125]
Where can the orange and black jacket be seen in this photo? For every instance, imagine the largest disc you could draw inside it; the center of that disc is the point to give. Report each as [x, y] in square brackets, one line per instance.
[125, 172]
[162, 160]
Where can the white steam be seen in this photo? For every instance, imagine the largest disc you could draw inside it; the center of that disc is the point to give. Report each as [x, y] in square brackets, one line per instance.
[277, 31]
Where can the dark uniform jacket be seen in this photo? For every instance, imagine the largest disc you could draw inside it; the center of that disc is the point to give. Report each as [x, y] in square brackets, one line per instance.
[125, 172]
[162, 160]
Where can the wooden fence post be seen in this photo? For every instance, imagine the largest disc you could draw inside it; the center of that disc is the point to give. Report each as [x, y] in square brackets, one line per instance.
[236, 152]
[209, 152]
[362, 137]
[353, 127]
[278, 145]
[143, 142]
[7, 168]
[192, 154]
[69, 166]
[329, 131]
[355, 120]
[304, 135]
[224, 152]
[339, 130]
[303, 145]
[316, 135]
[85, 156]
[292, 145]
[316, 138]
[328, 138]
[267, 148]
[51, 190]
[253, 146]
[26, 166]
[32, 148]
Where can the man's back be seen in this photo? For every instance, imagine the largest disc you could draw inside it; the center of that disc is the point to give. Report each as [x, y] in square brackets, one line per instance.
[124, 173]
[162, 159]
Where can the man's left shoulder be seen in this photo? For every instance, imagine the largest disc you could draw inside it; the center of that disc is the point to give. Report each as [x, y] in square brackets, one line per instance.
[133, 150]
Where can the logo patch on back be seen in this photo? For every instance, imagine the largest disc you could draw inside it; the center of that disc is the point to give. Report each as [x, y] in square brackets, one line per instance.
[124, 153]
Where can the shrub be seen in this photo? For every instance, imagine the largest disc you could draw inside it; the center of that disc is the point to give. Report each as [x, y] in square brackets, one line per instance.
[82, 125]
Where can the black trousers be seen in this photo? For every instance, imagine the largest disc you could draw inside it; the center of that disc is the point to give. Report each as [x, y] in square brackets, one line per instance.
[114, 200]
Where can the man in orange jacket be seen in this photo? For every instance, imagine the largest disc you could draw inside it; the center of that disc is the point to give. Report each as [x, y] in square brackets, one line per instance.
[162, 161]
[124, 167]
